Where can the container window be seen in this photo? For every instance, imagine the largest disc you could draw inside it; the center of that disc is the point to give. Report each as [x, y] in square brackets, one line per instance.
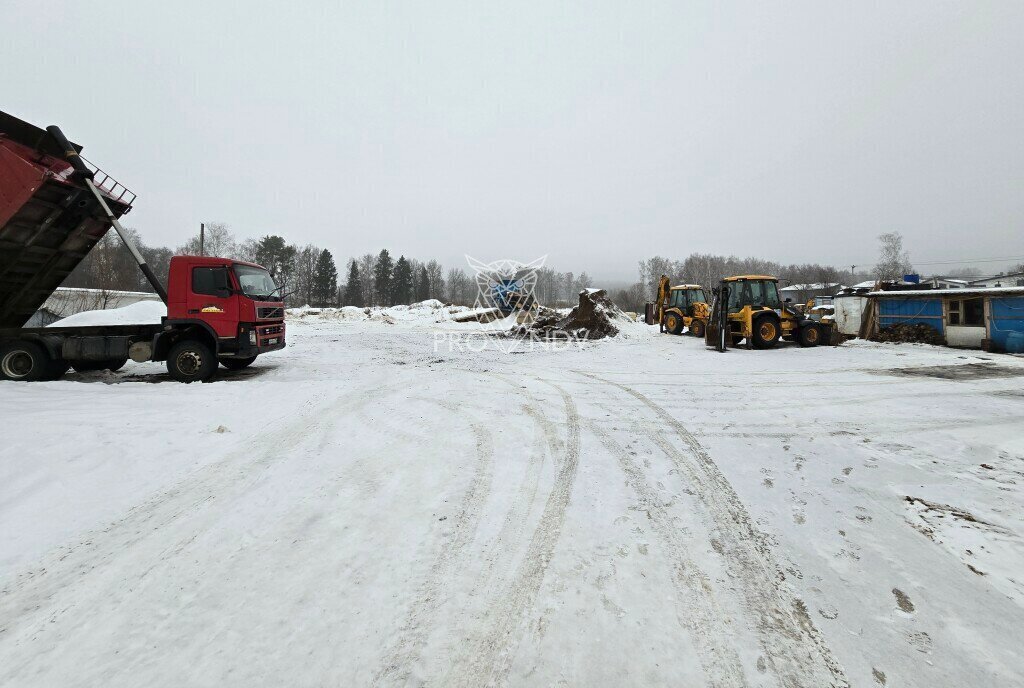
[954, 312]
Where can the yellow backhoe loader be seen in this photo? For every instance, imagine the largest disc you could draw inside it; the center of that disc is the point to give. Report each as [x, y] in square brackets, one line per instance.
[748, 308]
[680, 306]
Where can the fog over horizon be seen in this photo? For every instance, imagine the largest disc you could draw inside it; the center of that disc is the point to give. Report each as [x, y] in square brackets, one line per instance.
[598, 133]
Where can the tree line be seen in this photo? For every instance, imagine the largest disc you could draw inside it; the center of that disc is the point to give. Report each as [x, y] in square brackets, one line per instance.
[309, 273]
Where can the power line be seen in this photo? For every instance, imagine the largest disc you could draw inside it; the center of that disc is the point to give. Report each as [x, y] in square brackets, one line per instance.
[956, 262]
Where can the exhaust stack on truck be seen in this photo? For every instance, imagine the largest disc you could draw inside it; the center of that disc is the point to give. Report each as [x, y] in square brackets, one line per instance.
[54, 208]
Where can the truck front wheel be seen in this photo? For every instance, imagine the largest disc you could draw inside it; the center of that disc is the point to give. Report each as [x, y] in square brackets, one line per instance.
[24, 361]
[191, 361]
[237, 363]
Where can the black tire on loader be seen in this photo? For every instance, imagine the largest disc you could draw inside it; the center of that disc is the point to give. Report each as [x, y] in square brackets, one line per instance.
[697, 327]
[191, 361]
[673, 323]
[810, 335]
[767, 331]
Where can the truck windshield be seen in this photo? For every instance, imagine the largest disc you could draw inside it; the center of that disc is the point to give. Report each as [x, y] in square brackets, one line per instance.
[697, 295]
[255, 282]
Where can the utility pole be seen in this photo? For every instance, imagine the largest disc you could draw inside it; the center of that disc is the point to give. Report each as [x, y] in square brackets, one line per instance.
[202, 237]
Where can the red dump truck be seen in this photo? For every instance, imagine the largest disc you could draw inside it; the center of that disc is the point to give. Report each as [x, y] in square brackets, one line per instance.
[54, 208]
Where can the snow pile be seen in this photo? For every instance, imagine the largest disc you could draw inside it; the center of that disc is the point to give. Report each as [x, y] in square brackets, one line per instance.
[429, 311]
[141, 313]
[596, 317]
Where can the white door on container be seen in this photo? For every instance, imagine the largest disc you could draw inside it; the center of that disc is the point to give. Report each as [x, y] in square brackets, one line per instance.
[965, 323]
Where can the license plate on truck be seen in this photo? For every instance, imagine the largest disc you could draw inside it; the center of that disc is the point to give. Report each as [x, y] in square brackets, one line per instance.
[272, 341]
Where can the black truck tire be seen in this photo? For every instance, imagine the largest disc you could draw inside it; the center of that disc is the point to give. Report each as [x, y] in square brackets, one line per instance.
[191, 361]
[767, 331]
[25, 361]
[237, 363]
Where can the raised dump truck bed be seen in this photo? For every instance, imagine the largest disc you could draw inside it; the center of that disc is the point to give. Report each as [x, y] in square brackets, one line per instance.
[48, 219]
[54, 207]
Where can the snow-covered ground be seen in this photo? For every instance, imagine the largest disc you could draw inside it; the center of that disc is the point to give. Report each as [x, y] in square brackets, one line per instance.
[379, 504]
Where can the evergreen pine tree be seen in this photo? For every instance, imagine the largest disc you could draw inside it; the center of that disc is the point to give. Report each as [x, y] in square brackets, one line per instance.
[382, 274]
[325, 280]
[423, 284]
[354, 288]
[401, 282]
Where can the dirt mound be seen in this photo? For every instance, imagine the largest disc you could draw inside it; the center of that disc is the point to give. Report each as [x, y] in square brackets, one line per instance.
[593, 318]
[898, 334]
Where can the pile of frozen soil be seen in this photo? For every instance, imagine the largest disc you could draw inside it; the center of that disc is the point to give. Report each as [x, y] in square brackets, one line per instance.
[898, 334]
[594, 318]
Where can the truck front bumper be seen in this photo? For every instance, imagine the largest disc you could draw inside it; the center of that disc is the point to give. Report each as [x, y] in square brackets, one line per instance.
[255, 339]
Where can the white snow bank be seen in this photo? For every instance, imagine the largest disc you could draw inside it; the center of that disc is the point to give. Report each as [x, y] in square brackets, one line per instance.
[429, 311]
[141, 313]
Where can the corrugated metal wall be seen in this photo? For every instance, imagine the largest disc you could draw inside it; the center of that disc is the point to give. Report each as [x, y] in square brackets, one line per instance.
[911, 311]
[1006, 315]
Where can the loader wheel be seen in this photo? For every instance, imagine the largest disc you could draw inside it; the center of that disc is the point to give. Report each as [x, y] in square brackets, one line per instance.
[810, 335]
[24, 361]
[191, 361]
[673, 323]
[766, 332]
[237, 363]
[697, 327]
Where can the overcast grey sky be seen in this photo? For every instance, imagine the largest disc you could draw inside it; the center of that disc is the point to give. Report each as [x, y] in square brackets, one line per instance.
[598, 133]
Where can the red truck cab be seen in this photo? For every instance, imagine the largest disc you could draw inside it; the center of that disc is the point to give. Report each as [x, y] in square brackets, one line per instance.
[235, 304]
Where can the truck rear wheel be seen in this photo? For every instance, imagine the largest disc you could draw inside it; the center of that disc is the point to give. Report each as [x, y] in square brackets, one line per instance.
[237, 363]
[24, 361]
[191, 361]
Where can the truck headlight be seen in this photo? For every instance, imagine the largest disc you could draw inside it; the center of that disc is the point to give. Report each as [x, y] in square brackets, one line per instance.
[252, 337]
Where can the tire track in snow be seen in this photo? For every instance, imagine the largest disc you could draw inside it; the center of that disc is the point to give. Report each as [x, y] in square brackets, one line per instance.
[795, 650]
[506, 543]
[399, 659]
[489, 658]
[696, 607]
[23, 598]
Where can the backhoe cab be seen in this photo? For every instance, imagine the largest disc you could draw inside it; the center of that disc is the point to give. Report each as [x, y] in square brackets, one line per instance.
[684, 305]
[748, 308]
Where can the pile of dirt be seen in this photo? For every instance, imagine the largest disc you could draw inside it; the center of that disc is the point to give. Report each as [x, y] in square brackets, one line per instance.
[899, 334]
[593, 318]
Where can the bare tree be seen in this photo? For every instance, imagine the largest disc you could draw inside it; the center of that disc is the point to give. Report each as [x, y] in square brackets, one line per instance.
[435, 278]
[367, 265]
[893, 261]
[218, 241]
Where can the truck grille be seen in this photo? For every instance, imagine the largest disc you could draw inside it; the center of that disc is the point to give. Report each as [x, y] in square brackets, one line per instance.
[270, 313]
[274, 329]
